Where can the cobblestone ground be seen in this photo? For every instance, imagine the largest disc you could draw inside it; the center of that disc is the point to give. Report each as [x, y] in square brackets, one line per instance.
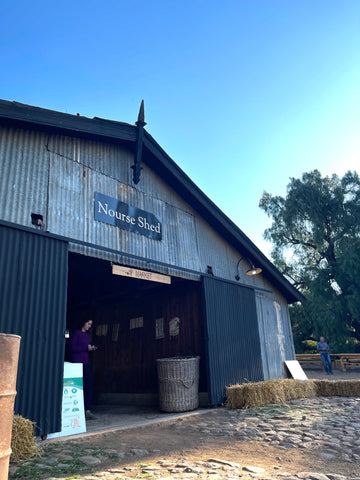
[324, 429]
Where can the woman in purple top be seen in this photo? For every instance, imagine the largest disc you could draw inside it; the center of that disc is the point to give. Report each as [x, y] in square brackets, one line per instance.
[79, 347]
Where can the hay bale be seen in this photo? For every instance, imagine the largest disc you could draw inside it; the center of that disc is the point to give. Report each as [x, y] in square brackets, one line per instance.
[295, 389]
[340, 388]
[326, 388]
[251, 395]
[23, 444]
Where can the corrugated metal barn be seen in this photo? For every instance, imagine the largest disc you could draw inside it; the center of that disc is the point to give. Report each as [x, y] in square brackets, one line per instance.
[82, 198]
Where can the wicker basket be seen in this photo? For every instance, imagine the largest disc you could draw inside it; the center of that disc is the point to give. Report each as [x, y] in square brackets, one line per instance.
[178, 383]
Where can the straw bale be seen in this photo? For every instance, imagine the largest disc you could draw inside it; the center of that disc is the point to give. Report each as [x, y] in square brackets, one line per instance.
[251, 395]
[340, 388]
[23, 444]
[296, 389]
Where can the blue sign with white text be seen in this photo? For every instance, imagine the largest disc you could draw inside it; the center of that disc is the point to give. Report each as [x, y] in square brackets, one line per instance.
[112, 211]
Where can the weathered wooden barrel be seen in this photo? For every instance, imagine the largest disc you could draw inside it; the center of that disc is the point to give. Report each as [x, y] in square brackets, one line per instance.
[9, 357]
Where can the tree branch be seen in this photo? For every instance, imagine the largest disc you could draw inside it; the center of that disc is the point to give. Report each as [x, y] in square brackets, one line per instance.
[294, 241]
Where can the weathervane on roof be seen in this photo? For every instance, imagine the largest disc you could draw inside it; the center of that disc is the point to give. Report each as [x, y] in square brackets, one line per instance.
[140, 124]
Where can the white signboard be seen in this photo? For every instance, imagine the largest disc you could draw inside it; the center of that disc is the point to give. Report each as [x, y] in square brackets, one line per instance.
[73, 414]
[296, 370]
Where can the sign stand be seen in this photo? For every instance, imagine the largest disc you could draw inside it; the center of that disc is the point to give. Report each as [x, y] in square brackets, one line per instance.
[73, 413]
[295, 370]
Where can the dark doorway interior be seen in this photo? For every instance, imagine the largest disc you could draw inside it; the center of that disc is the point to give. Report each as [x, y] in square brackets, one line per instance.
[134, 323]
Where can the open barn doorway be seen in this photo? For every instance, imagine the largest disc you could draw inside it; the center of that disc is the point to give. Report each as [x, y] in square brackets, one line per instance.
[134, 323]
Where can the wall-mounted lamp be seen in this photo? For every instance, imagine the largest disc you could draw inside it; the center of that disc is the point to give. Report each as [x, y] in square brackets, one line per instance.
[252, 270]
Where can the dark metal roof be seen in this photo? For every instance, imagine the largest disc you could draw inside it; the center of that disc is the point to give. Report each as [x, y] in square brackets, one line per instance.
[22, 114]
[156, 158]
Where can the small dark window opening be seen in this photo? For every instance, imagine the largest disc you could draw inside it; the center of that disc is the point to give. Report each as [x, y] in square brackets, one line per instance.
[36, 219]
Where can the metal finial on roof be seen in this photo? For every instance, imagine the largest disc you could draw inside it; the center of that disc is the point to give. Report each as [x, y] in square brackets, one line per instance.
[140, 124]
[141, 117]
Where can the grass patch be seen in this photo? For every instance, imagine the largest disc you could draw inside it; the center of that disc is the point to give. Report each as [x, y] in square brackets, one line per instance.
[52, 463]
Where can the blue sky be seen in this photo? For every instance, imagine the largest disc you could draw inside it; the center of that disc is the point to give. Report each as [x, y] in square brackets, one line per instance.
[242, 94]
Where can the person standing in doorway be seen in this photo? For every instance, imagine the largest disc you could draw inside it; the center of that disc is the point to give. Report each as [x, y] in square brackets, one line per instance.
[79, 348]
[323, 349]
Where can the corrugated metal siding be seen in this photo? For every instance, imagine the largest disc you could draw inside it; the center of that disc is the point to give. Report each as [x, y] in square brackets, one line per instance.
[71, 213]
[33, 290]
[23, 175]
[214, 251]
[131, 262]
[232, 336]
[275, 334]
[57, 176]
[106, 158]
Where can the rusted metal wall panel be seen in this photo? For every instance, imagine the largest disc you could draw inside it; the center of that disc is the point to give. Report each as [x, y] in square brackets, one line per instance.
[275, 334]
[231, 336]
[33, 289]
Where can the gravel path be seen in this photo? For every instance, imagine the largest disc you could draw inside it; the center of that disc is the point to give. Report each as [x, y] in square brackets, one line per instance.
[318, 372]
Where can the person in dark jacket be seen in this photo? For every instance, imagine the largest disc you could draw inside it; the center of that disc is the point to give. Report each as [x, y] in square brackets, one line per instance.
[79, 348]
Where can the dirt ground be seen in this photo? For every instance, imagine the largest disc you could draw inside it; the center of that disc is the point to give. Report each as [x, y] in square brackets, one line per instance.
[166, 441]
